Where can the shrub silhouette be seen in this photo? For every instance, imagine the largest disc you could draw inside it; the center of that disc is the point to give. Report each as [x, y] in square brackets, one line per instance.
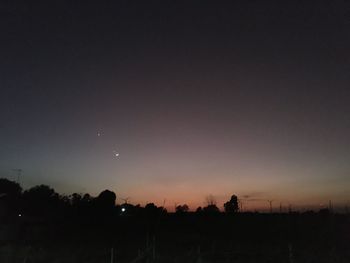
[232, 205]
[211, 209]
[182, 208]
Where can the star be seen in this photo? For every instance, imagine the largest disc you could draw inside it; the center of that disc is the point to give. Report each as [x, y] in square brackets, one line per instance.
[116, 154]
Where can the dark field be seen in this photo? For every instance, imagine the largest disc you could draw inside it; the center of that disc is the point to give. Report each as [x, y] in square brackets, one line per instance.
[188, 237]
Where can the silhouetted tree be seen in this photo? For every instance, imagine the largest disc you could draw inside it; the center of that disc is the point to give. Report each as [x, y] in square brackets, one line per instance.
[75, 200]
[211, 209]
[210, 200]
[182, 208]
[105, 202]
[80, 205]
[232, 205]
[9, 188]
[40, 192]
[199, 209]
[86, 198]
[152, 210]
[151, 207]
[163, 210]
[10, 194]
[41, 200]
[211, 205]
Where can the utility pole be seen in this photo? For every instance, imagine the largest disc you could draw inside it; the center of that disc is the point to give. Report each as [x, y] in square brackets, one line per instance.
[330, 206]
[19, 173]
[270, 202]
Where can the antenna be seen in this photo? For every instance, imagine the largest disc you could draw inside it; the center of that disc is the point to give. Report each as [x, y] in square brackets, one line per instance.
[247, 199]
[19, 173]
[270, 202]
[125, 200]
[240, 201]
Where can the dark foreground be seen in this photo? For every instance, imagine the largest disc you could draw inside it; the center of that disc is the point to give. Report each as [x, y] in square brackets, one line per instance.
[178, 238]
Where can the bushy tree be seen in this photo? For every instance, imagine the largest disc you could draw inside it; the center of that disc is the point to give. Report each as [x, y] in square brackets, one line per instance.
[41, 200]
[106, 199]
[231, 206]
[10, 194]
[182, 208]
[9, 188]
[199, 209]
[211, 205]
[75, 200]
[211, 209]
[151, 208]
[210, 200]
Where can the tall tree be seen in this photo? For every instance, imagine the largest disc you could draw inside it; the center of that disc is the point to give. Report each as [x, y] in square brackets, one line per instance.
[41, 200]
[10, 195]
[232, 205]
[106, 199]
[9, 188]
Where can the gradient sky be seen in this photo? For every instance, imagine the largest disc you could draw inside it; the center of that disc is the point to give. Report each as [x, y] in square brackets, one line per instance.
[197, 98]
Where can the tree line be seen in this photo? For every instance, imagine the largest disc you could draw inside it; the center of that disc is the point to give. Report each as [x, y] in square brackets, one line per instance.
[43, 201]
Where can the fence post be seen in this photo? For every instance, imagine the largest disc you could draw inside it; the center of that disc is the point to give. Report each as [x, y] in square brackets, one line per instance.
[112, 255]
[199, 258]
[290, 253]
[154, 248]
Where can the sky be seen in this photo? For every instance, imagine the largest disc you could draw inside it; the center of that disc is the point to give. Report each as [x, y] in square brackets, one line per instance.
[172, 101]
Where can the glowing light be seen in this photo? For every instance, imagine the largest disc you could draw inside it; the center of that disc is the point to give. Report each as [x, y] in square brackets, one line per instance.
[123, 209]
[116, 154]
